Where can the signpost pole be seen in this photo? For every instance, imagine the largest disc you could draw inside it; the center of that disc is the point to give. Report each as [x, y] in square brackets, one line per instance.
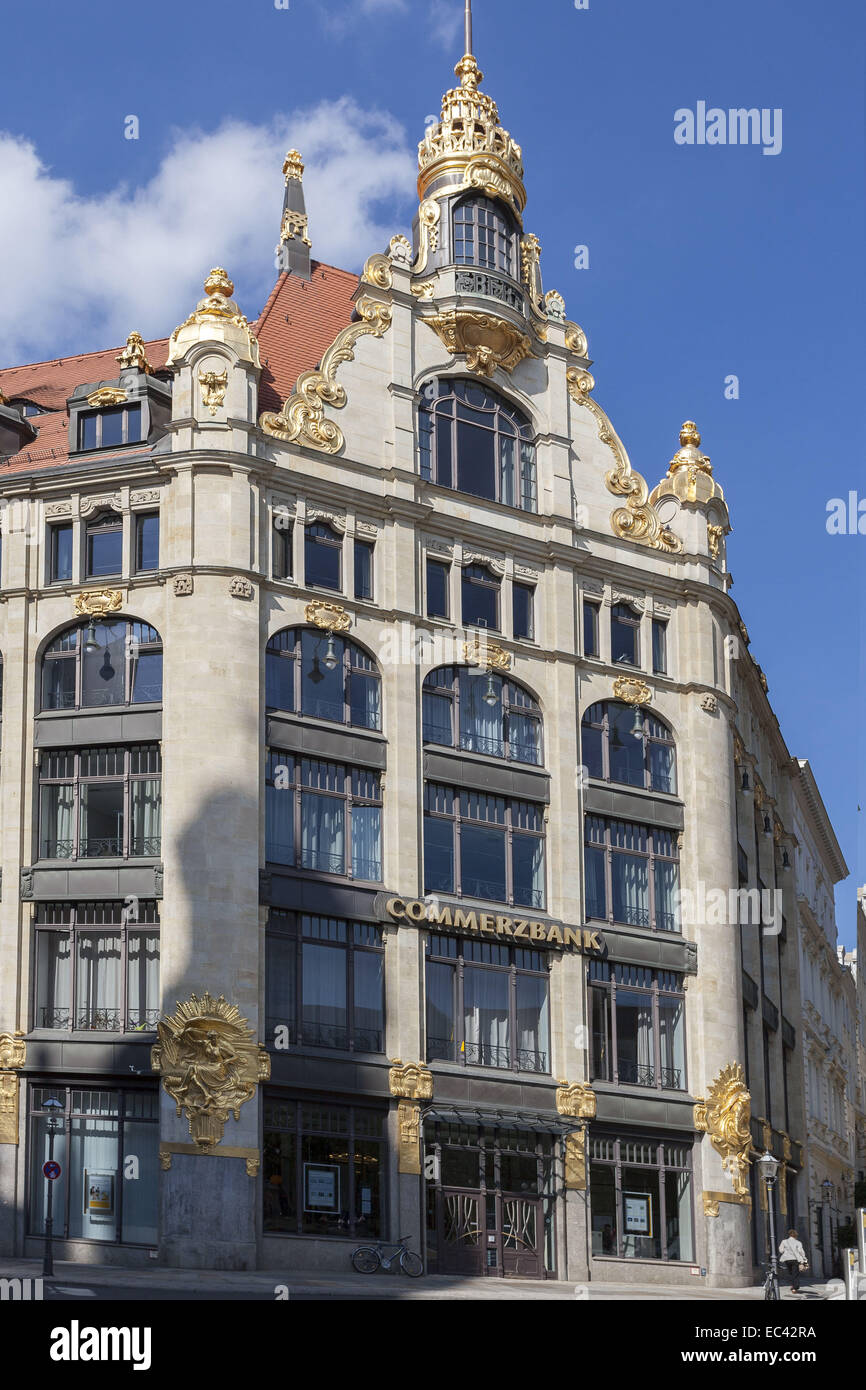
[51, 1106]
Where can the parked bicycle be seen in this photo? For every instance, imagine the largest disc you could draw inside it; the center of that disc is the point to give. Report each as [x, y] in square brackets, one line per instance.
[368, 1258]
[771, 1285]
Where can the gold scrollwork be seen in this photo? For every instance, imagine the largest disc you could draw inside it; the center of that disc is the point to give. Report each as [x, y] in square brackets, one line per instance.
[429, 216]
[632, 690]
[480, 652]
[637, 520]
[329, 616]
[106, 395]
[302, 418]
[486, 341]
[377, 271]
[97, 602]
[210, 1064]
[725, 1116]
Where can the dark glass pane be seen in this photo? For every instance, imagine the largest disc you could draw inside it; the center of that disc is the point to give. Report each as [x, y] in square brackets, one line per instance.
[369, 1001]
[660, 646]
[634, 1038]
[147, 678]
[591, 745]
[280, 1182]
[112, 427]
[322, 688]
[483, 862]
[480, 604]
[596, 896]
[282, 551]
[623, 641]
[321, 561]
[87, 431]
[279, 681]
[523, 595]
[103, 680]
[363, 570]
[365, 694]
[662, 768]
[626, 751]
[590, 629]
[440, 1012]
[104, 553]
[133, 424]
[603, 1190]
[324, 1008]
[486, 1022]
[323, 821]
[641, 1236]
[601, 1051]
[630, 889]
[444, 463]
[476, 461]
[61, 552]
[438, 855]
[533, 1028]
[58, 683]
[528, 861]
[147, 556]
[101, 828]
[437, 590]
[436, 713]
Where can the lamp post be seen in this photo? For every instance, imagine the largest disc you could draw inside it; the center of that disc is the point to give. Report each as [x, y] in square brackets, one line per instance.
[768, 1166]
[827, 1226]
[51, 1107]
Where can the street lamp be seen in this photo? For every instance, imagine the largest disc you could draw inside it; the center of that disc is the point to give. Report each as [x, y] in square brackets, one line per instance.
[51, 1107]
[768, 1167]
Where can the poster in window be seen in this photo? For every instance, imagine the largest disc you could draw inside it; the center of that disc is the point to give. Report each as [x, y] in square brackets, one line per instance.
[321, 1187]
[637, 1213]
[98, 1193]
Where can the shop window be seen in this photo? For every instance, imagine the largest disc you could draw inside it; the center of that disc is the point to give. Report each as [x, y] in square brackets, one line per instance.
[323, 816]
[322, 676]
[363, 569]
[325, 982]
[480, 597]
[484, 235]
[104, 546]
[632, 874]
[147, 542]
[323, 1169]
[625, 744]
[95, 665]
[523, 604]
[481, 713]
[323, 554]
[97, 966]
[641, 1198]
[638, 1026]
[105, 429]
[60, 552]
[98, 803]
[625, 634]
[487, 1005]
[473, 440]
[590, 629]
[437, 589]
[481, 846]
[94, 1134]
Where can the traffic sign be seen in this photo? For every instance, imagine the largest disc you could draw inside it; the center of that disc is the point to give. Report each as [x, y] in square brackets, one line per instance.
[51, 1170]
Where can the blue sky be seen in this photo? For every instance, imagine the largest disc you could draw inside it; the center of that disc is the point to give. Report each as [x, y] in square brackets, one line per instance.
[704, 261]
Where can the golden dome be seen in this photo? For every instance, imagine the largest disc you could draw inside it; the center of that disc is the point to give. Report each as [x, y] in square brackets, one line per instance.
[690, 473]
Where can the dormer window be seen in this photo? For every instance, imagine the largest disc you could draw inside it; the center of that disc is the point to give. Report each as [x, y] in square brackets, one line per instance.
[104, 429]
[484, 236]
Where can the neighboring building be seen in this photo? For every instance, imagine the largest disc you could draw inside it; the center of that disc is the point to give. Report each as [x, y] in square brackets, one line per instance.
[855, 959]
[329, 640]
[829, 1012]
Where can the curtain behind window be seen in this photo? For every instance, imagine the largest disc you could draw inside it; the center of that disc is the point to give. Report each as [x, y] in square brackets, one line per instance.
[485, 1005]
[58, 809]
[323, 845]
[98, 982]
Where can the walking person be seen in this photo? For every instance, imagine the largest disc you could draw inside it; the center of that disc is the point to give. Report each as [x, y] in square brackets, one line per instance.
[793, 1257]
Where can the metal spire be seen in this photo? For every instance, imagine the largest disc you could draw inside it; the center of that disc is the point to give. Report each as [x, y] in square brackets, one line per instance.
[468, 25]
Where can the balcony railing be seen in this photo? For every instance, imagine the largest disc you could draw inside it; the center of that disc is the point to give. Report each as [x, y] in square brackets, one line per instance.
[98, 1020]
[102, 847]
[638, 1074]
[487, 1055]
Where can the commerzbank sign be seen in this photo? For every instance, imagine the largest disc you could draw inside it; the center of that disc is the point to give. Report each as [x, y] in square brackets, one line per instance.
[471, 922]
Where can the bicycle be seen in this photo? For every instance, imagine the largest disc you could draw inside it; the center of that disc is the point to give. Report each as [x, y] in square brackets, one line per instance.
[367, 1258]
[771, 1285]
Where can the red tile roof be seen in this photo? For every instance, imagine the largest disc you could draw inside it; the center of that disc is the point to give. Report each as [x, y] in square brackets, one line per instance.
[299, 321]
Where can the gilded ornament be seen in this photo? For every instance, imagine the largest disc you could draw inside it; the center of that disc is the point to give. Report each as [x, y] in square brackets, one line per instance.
[213, 388]
[690, 473]
[714, 539]
[377, 271]
[725, 1117]
[429, 215]
[486, 341]
[293, 166]
[425, 289]
[575, 340]
[13, 1055]
[469, 139]
[632, 690]
[414, 1081]
[575, 1161]
[555, 306]
[95, 603]
[637, 520]
[712, 1200]
[210, 1064]
[302, 418]
[577, 1101]
[400, 250]
[215, 317]
[106, 395]
[295, 227]
[483, 653]
[329, 616]
[133, 355]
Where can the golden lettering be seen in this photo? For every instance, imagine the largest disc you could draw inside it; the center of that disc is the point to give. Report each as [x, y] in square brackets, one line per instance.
[396, 907]
[520, 929]
[538, 931]
[571, 937]
[441, 918]
[554, 934]
[591, 941]
[465, 921]
[416, 912]
[503, 926]
[486, 922]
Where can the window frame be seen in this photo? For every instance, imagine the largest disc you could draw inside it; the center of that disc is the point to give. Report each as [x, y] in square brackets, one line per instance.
[506, 687]
[602, 979]
[132, 649]
[321, 533]
[283, 547]
[432, 563]
[457, 819]
[483, 577]
[73, 928]
[439, 418]
[660, 659]
[285, 925]
[361, 549]
[456, 953]
[652, 857]
[287, 645]
[139, 519]
[517, 586]
[54, 531]
[104, 523]
[591, 611]
[659, 1166]
[648, 739]
[348, 798]
[488, 240]
[625, 615]
[78, 780]
[127, 410]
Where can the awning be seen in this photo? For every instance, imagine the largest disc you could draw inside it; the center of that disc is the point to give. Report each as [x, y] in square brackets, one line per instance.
[500, 1119]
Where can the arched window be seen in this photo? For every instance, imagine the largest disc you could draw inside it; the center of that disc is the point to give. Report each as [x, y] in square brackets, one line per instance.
[628, 745]
[481, 712]
[323, 676]
[484, 235]
[472, 440]
[323, 553]
[101, 663]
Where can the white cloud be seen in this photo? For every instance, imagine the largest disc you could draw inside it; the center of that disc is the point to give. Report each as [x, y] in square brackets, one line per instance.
[443, 19]
[80, 272]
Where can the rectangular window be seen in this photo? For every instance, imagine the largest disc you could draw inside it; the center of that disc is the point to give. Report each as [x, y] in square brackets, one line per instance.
[481, 846]
[590, 628]
[523, 602]
[625, 635]
[480, 598]
[632, 874]
[98, 803]
[323, 816]
[104, 547]
[437, 589]
[660, 647]
[487, 1004]
[283, 546]
[91, 1134]
[363, 569]
[97, 966]
[641, 1198]
[104, 429]
[638, 1026]
[147, 541]
[325, 982]
[61, 552]
[324, 1169]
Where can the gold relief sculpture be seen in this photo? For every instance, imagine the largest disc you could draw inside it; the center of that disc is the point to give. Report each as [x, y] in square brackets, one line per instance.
[632, 690]
[210, 1064]
[302, 418]
[483, 653]
[409, 1084]
[425, 289]
[575, 339]
[97, 602]
[555, 306]
[577, 1100]
[295, 227]
[429, 216]
[133, 355]
[293, 166]
[13, 1055]
[377, 271]
[690, 473]
[409, 1130]
[725, 1116]
[637, 520]
[414, 1081]
[106, 395]
[486, 341]
[329, 616]
[714, 539]
[737, 1199]
[213, 388]
[575, 1161]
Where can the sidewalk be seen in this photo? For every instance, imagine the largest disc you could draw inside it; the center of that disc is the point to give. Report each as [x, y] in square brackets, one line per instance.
[271, 1284]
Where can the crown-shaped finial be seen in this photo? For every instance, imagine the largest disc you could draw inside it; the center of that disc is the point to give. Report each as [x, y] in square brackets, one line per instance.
[690, 434]
[218, 282]
[293, 166]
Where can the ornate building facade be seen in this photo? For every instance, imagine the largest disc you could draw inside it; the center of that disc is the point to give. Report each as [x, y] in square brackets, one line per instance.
[396, 830]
